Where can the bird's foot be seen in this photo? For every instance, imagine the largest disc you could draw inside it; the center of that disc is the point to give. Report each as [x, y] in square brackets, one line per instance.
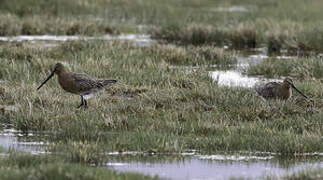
[80, 105]
[83, 104]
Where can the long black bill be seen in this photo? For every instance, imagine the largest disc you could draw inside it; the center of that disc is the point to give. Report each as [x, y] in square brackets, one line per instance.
[299, 91]
[50, 76]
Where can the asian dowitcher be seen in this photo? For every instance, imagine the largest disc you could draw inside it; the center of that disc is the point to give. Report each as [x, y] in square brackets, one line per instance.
[277, 90]
[77, 83]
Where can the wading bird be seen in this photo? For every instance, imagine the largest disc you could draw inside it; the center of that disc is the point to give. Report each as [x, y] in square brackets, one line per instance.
[277, 90]
[78, 83]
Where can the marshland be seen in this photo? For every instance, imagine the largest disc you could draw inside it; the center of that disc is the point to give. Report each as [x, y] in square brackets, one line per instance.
[184, 105]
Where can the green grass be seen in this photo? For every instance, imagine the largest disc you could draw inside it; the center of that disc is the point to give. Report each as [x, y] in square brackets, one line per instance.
[153, 107]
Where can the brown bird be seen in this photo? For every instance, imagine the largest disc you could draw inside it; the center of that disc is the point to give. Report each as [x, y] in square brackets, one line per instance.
[277, 90]
[78, 83]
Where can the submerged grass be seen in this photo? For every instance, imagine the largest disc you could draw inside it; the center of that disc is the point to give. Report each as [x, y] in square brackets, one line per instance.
[303, 175]
[22, 166]
[153, 107]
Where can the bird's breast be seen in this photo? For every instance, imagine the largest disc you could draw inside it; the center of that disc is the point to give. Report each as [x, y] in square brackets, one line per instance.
[285, 92]
[67, 83]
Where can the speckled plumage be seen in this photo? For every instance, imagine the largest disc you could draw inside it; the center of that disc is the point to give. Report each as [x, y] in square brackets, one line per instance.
[78, 83]
[277, 90]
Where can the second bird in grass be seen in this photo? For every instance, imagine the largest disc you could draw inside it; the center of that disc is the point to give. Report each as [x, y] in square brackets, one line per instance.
[278, 90]
[78, 83]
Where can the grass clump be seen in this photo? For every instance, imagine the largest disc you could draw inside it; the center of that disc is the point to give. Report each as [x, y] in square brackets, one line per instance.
[243, 37]
[192, 55]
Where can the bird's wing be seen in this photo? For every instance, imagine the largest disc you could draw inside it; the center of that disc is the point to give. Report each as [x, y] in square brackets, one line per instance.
[268, 90]
[84, 82]
[87, 84]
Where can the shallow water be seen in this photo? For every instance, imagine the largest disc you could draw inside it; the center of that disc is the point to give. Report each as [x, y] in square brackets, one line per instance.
[235, 77]
[8, 108]
[189, 165]
[230, 9]
[211, 166]
[11, 139]
[136, 39]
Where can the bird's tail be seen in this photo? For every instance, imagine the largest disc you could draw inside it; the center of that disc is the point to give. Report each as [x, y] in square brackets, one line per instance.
[108, 82]
[103, 83]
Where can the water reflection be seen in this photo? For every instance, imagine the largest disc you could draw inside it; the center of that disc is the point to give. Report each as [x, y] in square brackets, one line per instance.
[141, 40]
[11, 139]
[196, 167]
[235, 79]
[230, 9]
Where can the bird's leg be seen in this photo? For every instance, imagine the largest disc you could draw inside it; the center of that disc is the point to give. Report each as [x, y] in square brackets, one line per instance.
[82, 102]
[85, 103]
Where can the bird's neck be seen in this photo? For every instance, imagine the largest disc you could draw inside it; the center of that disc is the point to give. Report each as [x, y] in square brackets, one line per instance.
[62, 72]
[286, 86]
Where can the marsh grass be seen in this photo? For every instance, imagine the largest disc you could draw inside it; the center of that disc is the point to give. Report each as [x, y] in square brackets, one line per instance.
[40, 25]
[200, 34]
[193, 55]
[296, 39]
[273, 24]
[152, 107]
[303, 68]
[269, 25]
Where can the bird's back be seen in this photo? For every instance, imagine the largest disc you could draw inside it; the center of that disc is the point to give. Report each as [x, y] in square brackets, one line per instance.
[269, 90]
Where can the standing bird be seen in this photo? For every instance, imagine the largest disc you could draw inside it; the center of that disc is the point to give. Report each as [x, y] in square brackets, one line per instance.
[278, 90]
[78, 83]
